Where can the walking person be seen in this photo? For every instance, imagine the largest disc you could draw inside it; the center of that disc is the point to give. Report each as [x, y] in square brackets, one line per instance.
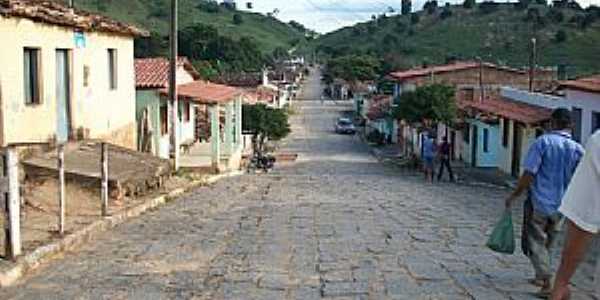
[444, 153]
[549, 166]
[428, 156]
[581, 207]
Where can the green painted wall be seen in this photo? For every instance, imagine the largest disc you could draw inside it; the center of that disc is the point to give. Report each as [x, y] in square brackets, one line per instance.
[150, 99]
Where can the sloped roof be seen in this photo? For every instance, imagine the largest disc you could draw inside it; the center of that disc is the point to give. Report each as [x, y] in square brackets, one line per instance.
[205, 92]
[154, 72]
[52, 12]
[458, 66]
[588, 84]
[499, 106]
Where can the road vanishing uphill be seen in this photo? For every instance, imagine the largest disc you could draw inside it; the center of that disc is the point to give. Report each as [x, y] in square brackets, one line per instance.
[336, 224]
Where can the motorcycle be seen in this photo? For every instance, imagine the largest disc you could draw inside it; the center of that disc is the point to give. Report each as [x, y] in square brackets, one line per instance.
[261, 162]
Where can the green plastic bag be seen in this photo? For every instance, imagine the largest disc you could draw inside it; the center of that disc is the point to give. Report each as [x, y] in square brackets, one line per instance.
[502, 239]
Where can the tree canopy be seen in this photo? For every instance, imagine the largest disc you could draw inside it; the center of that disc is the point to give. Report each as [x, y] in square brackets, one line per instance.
[352, 68]
[264, 123]
[435, 103]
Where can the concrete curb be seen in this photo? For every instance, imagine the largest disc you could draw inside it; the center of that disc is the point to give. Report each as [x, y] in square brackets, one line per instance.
[43, 254]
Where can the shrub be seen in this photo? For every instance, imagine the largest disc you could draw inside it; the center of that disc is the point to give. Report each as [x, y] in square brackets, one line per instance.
[561, 36]
[431, 6]
[415, 18]
[446, 13]
[237, 19]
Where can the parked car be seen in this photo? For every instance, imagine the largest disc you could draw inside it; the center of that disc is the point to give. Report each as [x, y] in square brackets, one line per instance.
[345, 126]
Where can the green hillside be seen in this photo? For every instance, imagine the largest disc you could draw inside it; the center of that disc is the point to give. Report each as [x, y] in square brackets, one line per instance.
[153, 15]
[495, 32]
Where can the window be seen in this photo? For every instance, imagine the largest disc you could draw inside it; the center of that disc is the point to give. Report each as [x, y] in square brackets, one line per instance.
[164, 120]
[486, 140]
[505, 132]
[469, 94]
[31, 76]
[112, 68]
[186, 111]
[577, 118]
[595, 121]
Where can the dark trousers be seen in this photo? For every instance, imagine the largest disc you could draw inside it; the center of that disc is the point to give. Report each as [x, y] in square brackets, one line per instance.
[445, 163]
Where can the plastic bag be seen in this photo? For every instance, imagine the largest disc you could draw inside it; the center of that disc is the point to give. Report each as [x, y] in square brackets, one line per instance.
[502, 239]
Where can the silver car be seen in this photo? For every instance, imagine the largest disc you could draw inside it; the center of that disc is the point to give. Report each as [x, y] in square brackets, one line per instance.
[345, 126]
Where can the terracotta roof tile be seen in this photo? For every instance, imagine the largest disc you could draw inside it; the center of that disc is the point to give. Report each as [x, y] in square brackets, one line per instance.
[588, 84]
[505, 108]
[459, 66]
[259, 95]
[205, 92]
[52, 12]
[154, 72]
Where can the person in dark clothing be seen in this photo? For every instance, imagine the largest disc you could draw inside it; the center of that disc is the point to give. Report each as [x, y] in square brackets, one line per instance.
[444, 153]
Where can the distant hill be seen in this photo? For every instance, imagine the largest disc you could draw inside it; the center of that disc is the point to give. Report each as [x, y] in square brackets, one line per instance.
[153, 15]
[495, 32]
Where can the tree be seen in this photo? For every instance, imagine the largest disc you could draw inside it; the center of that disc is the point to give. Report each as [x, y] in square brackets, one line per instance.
[237, 19]
[414, 18]
[265, 124]
[352, 68]
[488, 7]
[469, 4]
[406, 7]
[555, 15]
[389, 40]
[431, 6]
[523, 4]
[541, 2]
[446, 13]
[209, 6]
[150, 46]
[432, 103]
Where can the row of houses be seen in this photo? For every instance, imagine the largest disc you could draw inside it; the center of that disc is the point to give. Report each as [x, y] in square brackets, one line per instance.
[69, 75]
[501, 111]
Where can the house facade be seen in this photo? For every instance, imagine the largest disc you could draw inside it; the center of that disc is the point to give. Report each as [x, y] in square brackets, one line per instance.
[473, 82]
[152, 108]
[584, 97]
[69, 72]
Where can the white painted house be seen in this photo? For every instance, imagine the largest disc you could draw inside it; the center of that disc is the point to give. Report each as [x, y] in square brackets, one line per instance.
[584, 97]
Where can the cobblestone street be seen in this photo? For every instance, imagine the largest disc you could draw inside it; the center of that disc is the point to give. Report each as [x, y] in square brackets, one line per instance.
[336, 224]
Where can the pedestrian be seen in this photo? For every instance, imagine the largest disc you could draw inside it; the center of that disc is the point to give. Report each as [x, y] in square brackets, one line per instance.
[428, 156]
[581, 207]
[549, 166]
[444, 153]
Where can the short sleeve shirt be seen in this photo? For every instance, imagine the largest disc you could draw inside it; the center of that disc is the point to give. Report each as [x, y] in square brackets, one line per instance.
[581, 203]
[428, 148]
[552, 159]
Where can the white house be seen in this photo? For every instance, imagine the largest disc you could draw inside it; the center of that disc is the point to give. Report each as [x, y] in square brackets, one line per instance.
[66, 74]
[584, 97]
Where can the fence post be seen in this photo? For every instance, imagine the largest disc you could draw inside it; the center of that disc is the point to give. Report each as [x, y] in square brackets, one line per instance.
[13, 205]
[104, 184]
[61, 189]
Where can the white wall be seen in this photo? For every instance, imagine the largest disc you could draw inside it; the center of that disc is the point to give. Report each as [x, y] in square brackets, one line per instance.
[588, 103]
[94, 107]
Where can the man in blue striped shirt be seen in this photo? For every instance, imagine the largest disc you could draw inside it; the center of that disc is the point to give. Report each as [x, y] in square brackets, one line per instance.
[549, 166]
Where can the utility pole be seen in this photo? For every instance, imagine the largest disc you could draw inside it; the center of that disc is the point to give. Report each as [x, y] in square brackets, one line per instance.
[173, 85]
[532, 64]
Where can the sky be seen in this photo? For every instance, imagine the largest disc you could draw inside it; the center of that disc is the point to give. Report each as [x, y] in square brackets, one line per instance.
[329, 15]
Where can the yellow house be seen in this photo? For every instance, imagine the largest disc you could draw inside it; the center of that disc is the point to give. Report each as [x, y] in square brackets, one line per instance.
[66, 75]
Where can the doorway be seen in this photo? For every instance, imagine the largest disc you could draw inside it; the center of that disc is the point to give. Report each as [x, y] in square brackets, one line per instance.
[63, 95]
[474, 145]
[516, 149]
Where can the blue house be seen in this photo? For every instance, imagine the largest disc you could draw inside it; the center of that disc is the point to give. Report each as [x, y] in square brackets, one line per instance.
[480, 144]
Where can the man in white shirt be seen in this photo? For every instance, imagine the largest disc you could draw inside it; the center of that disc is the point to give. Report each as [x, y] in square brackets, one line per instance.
[581, 206]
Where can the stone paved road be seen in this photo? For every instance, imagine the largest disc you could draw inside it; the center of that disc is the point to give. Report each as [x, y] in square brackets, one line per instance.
[337, 224]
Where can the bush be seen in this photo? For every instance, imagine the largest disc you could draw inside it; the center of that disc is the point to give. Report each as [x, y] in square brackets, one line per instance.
[561, 36]
[237, 19]
[555, 15]
[415, 18]
[376, 137]
[209, 6]
[446, 13]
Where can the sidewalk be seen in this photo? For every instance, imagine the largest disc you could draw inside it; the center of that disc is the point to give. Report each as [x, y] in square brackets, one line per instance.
[463, 173]
[39, 249]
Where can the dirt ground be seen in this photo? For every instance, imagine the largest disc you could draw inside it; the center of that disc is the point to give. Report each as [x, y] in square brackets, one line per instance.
[39, 212]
